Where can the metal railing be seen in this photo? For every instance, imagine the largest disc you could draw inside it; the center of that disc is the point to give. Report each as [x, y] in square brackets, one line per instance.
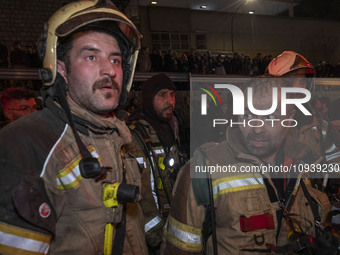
[43, 74]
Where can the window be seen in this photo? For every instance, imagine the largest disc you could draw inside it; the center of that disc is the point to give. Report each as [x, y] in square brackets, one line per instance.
[165, 41]
[201, 41]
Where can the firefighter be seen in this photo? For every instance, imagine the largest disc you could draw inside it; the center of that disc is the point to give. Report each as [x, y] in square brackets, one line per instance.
[67, 186]
[156, 147]
[317, 130]
[247, 210]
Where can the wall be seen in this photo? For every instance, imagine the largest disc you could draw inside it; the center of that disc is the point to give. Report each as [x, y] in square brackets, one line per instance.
[23, 20]
[317, 40]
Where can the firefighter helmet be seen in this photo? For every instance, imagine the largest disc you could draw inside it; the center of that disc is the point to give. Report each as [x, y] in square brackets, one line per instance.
[287, 62]
[76, 15]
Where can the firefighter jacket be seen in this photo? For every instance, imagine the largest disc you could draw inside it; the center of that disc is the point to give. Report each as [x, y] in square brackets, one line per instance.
[47, 207]
[319, 134]
[157, 177]
[246, 204]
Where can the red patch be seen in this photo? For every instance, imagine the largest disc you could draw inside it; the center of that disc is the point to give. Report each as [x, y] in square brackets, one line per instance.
[44, 210]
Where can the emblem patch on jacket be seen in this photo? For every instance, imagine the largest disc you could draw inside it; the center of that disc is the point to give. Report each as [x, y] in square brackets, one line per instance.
[44, 210]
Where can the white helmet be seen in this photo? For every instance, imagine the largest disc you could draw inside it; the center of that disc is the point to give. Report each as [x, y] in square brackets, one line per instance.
[76, 15]
[289, 61]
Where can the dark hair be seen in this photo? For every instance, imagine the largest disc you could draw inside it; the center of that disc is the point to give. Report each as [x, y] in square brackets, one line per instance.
[63, 50]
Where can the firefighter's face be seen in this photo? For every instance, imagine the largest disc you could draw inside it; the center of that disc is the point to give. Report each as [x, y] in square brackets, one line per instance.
[95, 77]
[17, 108]
[164, 104]
[263, 135]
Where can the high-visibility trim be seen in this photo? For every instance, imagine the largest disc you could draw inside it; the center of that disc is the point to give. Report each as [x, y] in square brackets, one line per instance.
[161, 151]
[333, 156]
[331, 148]
[141, 161]
[158, 150]
[152, 223]
[237, 183]
[154, 194]
[183, 236]
[70, 176]
[16, 240]
[323, 132]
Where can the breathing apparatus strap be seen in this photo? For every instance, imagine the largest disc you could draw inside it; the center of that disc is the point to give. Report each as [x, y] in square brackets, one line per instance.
[147, 148]
[89, 166]
[61, 94]
[314, 207]
[213, 216]
[118, 245]
[209, 223]
[119, 238]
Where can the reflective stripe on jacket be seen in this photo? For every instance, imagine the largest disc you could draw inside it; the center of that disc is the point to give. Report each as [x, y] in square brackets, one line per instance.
[238, 197]
[155, 203]
[51, 197]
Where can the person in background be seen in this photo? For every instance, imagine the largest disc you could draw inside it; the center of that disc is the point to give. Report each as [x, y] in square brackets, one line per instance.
[219, 67]
[317, 131]
[156, 60]
[144, 62]
[247, 211]
[156, 148]
[17, 102]
[312, 130]
[67, 186]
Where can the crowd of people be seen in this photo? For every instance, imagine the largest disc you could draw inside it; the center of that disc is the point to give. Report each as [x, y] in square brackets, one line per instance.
[204, 62]
[193, 61]
[81, 177]
[201, 62]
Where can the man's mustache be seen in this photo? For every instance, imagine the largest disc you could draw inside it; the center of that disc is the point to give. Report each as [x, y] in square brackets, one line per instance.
[105, 83]
[260, 137]
[169, 108]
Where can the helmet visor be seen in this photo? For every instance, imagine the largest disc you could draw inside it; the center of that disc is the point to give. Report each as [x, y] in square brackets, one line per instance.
[301, 63]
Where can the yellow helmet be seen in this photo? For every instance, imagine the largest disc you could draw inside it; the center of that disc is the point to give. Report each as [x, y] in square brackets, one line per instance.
[78, 14]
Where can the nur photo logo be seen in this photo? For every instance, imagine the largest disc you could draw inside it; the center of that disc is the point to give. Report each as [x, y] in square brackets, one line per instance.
[204, 98]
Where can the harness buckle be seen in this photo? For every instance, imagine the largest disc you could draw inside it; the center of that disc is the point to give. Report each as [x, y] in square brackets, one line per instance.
[259, 239]
[319, 224]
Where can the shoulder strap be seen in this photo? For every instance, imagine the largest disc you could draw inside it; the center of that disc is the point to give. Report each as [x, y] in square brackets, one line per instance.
[204, 196]
[149, 153]
[314, 207]
[200, 185]
[199, 182]
[141, 136]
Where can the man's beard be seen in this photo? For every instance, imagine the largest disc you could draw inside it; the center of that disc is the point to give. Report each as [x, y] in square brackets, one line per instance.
[166, 117]
[259, 152]
[105, 83]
